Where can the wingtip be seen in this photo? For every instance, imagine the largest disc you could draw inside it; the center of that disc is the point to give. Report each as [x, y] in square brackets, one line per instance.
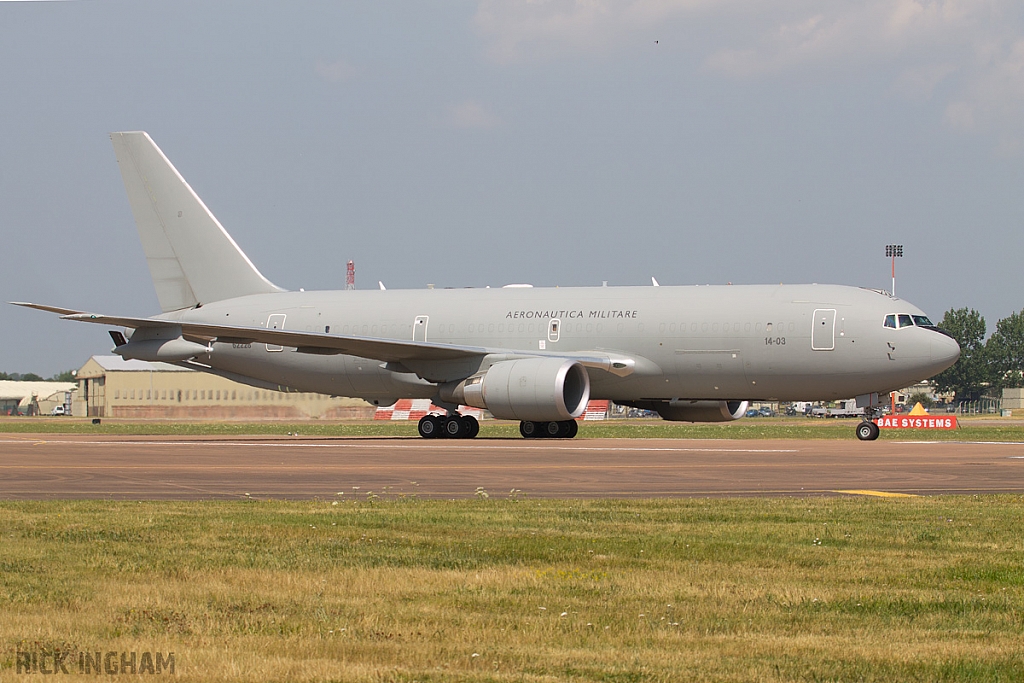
[43, 307]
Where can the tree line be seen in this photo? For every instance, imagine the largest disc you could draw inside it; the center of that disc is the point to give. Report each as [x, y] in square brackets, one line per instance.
[985, 365]
[66, 376]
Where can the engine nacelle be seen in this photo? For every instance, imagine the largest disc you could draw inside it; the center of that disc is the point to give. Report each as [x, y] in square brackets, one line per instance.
[535, 389]
[683, 410]
[161, 350]
[159, 344]
[679, 410]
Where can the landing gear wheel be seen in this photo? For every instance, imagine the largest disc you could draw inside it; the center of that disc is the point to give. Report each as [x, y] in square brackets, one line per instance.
[574, 428]
[867, 431]
[455, 428]
[472, 426]
[429, 426]
[554, 430]
[529, 430]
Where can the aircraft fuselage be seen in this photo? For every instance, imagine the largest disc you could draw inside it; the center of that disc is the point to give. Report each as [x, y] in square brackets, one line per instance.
[762, 342]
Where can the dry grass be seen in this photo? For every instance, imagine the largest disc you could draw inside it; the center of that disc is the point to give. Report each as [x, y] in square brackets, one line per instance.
[836, 589]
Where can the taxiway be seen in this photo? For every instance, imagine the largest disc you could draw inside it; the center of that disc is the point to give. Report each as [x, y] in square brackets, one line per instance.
[146, 468]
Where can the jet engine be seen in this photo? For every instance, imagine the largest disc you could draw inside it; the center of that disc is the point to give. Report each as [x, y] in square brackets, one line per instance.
[157, 344]
[682, 410]
[528, 389]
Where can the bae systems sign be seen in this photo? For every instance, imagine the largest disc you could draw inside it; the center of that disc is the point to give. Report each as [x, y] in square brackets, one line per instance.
[917, 422]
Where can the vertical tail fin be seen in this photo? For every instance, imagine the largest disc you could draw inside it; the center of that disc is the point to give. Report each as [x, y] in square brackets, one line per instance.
[191, 257]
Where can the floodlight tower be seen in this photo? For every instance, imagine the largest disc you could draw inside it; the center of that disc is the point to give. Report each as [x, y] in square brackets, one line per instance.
[350, 276]
[894, 251]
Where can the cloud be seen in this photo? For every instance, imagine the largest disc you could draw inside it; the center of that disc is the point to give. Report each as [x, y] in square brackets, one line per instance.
[856, 33]
[335, 72]
[960, 115]
[919, 82]
[973, 49]
[472, 114]
[517, 30]
[993, 97]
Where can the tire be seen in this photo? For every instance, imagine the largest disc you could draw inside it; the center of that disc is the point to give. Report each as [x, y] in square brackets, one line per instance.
[454, 428]
[529, 430]
[472, 426]
[553, 430]
[574, 428]
[867, 431]
[429, 427]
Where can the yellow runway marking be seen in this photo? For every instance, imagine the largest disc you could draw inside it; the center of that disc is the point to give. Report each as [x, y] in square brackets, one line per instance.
[878, 494]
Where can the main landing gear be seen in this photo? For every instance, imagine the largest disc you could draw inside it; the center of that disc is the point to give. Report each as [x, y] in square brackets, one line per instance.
[448, 426]
[564, 429]
[457, 426]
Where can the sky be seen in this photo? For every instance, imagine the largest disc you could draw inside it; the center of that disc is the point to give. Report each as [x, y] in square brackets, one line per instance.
[494, 142]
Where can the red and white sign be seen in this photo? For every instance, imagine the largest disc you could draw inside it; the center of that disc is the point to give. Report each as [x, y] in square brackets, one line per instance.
[917, 422]
[415, 408]
[596, 410]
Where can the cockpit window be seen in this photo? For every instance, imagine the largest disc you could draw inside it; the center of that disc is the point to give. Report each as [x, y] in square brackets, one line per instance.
[905, 320]
[890, 321]
[922, 321]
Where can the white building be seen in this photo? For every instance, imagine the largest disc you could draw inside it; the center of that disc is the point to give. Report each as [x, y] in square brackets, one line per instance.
[35, 398]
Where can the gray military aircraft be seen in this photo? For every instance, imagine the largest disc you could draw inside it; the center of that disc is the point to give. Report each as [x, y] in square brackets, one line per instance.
[536, 355]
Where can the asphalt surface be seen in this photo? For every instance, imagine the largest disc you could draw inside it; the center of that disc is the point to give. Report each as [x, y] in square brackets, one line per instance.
[148, 468]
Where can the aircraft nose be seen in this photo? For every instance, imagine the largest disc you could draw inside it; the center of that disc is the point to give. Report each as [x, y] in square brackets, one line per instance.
[945, 350]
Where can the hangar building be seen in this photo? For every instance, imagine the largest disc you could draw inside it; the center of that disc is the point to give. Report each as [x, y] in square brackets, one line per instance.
[109, 386]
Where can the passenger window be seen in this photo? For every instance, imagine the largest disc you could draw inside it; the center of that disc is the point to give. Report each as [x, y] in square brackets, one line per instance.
[905, 320]
[890, 321]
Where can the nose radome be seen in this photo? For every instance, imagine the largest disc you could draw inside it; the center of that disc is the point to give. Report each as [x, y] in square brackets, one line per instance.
[945, 350]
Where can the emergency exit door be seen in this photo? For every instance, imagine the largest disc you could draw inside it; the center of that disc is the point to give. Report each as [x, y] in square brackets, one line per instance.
[419, 328]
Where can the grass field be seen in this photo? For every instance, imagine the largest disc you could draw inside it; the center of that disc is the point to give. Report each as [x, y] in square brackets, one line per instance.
[837, 589]
[972, 429]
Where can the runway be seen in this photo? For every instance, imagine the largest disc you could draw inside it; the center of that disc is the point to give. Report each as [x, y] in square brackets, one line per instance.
[160, 468]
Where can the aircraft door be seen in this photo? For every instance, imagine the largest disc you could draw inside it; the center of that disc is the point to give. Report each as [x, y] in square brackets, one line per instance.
[275, 322]
[419, 328]
[823, 332]
[554, 327]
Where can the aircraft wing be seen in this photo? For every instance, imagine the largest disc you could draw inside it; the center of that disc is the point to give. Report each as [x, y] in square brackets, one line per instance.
[387, 350]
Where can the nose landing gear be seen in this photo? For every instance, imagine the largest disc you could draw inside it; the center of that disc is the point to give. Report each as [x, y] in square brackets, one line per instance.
[867, 430]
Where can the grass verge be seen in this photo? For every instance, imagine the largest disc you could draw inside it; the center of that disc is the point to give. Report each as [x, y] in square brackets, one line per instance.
[838, 589]
[971, 429]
